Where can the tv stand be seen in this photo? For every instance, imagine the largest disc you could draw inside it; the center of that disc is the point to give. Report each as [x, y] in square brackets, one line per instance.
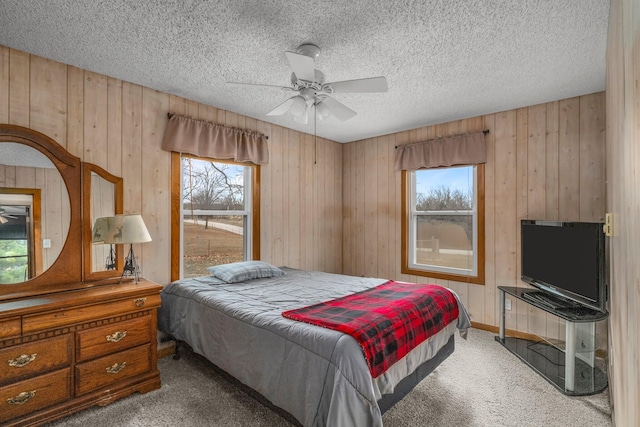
[571, 369]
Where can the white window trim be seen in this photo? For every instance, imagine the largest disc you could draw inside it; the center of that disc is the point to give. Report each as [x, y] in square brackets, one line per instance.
[413, 215]
[247, 233]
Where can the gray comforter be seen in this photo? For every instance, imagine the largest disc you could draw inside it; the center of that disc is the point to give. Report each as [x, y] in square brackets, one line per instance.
[318, 375]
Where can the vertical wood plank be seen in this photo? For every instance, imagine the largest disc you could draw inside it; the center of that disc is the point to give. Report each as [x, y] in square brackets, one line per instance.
[75, 111]
[536, 200]
[395, 193]
[292, 200]
[360, 214]
[536, 178]
[522, 154]
[4, 84]
[309, 201]
[155, 184]
[19, 89]
[383, 207]
[278, 182]
[348, 207]
[132, 147]
[506, 190]
[48, 98]
[95, 120]
[114, 126]
[592, 157]
[569, 159]
[551, 162]
[266, 206]
[370, 191]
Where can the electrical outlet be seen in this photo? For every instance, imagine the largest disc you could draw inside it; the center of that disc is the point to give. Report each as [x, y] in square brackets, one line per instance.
[46, 243]
[507, 304]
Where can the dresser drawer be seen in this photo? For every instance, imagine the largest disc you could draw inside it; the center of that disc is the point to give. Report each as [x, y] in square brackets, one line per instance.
[37, 393]
[21, 361]
[10, 328]
[112, 368]
[62, 317]
[108, 339]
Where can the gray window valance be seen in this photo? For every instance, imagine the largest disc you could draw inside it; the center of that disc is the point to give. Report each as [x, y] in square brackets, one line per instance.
[465, 149]
[206, 139]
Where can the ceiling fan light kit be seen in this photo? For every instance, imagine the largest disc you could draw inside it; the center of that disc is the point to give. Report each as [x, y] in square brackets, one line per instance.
[313, 91]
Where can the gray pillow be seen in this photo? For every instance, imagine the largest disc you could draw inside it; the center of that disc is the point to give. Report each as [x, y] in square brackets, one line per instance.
[244, 270]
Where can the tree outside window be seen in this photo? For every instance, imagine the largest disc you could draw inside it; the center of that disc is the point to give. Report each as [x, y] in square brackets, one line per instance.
[443, 223]
[216, 211]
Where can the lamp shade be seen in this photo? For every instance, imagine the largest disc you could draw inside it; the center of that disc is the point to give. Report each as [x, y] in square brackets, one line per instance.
[298, 107]
[322, 110]
[127, 229]
[100, 229]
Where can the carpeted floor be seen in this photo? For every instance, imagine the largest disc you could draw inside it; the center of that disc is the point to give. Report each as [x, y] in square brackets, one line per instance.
[481, 384]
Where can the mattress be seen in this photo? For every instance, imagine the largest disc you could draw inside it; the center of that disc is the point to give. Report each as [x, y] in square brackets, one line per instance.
[318, 375]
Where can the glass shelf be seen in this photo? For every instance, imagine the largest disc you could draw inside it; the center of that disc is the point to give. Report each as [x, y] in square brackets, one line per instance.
[570, 363]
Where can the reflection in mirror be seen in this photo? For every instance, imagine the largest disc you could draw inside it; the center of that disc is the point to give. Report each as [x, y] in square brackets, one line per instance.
[102, 205]
[26, 175]
[102, 199]
[18, 212]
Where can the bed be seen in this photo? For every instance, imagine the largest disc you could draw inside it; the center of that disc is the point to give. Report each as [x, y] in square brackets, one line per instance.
[318, 375]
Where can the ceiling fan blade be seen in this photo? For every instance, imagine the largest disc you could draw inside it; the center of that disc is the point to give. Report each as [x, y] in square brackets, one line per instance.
[259, 85]
[372, 84]
[341, 111]
[282, 108]
[303, 66]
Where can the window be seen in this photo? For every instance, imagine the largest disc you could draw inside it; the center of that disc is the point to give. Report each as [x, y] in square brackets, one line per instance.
[218, 220]
[14, 245]
[443, 223]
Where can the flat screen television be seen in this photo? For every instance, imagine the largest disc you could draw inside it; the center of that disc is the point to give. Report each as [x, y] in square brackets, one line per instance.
[566, 259]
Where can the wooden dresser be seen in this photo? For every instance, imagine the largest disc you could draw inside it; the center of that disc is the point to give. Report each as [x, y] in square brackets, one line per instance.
[63, 352]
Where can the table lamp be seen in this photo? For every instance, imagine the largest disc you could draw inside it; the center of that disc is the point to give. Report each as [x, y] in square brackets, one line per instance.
[128, 229]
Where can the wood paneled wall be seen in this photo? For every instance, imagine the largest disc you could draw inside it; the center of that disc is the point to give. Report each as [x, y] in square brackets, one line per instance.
[119, 126]
[623, 200]
[325, 206]
[544, 162]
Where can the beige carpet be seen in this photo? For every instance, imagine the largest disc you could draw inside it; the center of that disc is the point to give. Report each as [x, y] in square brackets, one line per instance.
[481, 384]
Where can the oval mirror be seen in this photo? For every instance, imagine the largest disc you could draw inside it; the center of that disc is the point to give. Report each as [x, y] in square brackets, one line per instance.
[35, 213]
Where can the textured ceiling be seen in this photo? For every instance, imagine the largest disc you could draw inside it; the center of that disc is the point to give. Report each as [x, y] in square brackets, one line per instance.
[443, 59]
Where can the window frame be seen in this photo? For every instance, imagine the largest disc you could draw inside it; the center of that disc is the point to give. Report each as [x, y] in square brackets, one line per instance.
[408, 267]
[176, 209]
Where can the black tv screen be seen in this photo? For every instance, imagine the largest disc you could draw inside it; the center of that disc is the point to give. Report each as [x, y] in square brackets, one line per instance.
[566, 259]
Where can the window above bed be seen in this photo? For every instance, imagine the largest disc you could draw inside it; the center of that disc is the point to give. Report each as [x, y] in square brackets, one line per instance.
[216, 206]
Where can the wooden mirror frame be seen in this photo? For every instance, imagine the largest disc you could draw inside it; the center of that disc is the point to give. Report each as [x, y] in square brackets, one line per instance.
[66, 271]
[89, 274]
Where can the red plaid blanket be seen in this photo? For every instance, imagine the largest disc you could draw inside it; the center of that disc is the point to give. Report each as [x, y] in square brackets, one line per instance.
[388, 320]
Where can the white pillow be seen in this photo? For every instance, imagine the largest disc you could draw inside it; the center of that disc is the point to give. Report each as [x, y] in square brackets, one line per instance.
[244, 270]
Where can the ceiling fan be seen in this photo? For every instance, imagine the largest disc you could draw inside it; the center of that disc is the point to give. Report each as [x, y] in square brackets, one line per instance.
[312, 92]
[4, 216]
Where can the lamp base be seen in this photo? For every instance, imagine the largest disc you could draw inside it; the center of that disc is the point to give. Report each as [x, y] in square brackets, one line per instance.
[131, 267]
[111, 259]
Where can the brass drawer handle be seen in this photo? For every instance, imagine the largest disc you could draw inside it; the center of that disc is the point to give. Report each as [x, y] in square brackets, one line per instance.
[139, 301]
[117, 367]
[22, 398]
[116, 336]
[22, 360]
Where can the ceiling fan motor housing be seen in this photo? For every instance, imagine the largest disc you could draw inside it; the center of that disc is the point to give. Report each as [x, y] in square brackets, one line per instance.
[310, 50]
